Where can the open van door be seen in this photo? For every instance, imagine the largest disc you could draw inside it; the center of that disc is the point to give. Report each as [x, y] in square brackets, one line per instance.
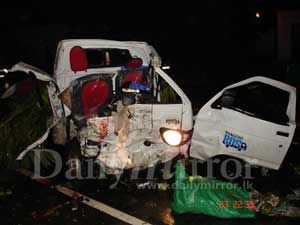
[31, 107]
[253, 120]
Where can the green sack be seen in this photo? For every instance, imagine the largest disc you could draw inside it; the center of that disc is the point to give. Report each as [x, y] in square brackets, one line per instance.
[210, 197]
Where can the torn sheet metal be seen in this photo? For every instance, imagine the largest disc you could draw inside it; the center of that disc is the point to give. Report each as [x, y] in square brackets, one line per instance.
[37, 142]
[38, 73]
[130, 138]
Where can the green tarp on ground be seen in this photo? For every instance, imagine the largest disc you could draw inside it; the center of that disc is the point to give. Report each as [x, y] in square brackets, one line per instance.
[210, 197]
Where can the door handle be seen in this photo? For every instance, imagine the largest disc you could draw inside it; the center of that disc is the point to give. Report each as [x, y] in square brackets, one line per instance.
[284, 134]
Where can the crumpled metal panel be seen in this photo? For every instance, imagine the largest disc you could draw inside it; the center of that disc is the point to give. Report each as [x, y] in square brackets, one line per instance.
[128, 139]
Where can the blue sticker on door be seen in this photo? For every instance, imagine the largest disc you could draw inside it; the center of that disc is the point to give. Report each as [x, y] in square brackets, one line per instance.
[234, 141]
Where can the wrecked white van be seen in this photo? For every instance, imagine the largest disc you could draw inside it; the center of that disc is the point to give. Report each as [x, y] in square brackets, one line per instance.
[113, 103]
[121, 108]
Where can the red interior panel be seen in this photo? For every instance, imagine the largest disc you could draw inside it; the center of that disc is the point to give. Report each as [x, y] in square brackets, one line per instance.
[94, 94]
[78, 60]
[135, 76]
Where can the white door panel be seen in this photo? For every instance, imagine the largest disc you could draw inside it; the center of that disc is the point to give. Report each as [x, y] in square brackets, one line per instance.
[226, 131]
[260, 137]
[168, 115]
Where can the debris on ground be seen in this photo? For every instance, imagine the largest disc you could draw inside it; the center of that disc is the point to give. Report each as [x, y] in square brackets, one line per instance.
[167, 217]
[271, 205]
[264, 204]
[210, 197]
[200, 195]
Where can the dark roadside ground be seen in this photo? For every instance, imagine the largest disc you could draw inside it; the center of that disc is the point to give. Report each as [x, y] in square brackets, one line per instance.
[24, 201]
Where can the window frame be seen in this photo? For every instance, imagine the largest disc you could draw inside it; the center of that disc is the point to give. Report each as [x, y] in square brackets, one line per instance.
[103, 50]
[217, 103]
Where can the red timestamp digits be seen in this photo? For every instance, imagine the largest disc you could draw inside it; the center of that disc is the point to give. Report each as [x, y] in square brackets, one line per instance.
[249, 204]
[223, 204]
[237, 204]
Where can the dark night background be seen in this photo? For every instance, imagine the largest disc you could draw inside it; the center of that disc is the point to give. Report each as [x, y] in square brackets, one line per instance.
[209, 44]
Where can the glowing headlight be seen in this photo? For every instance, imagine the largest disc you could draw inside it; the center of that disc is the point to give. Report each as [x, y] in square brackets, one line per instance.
[171, 137]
